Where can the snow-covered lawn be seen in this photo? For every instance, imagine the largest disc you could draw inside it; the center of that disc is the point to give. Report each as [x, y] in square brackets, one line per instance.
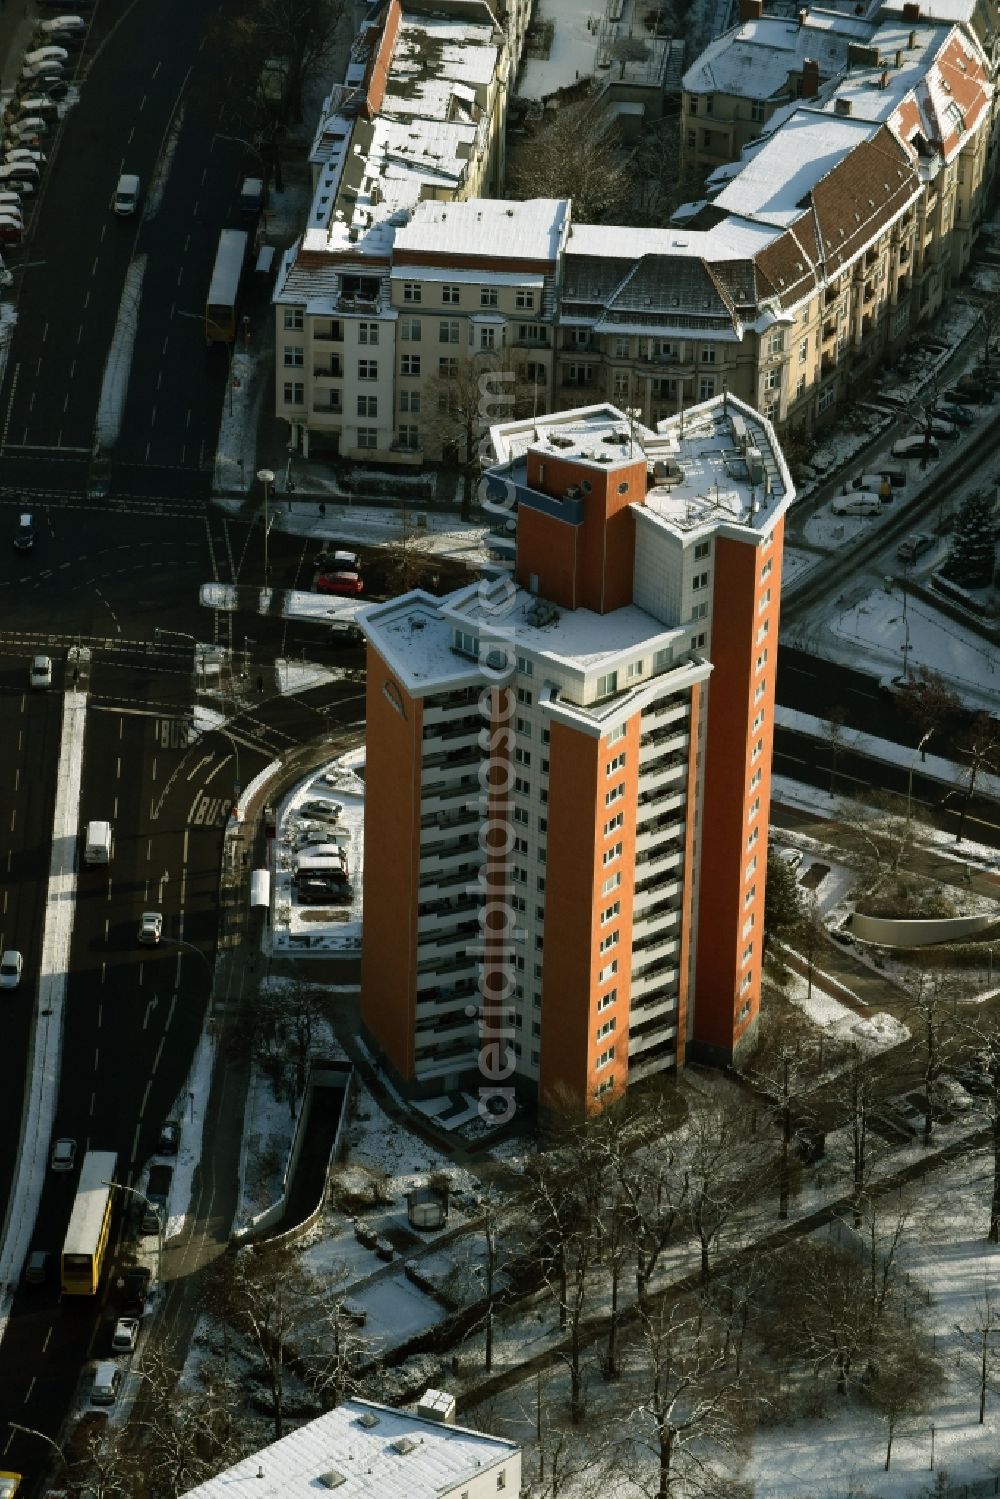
[573, 50]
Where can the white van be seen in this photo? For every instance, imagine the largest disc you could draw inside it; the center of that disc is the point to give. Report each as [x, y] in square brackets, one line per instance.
[107, 1381]
[99, 843]
[858, 502]
[126, 198]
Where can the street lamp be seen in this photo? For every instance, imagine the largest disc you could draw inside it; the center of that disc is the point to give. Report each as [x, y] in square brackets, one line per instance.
[134, 1192]
[266, 477]
[31, 1431]
[909, 779]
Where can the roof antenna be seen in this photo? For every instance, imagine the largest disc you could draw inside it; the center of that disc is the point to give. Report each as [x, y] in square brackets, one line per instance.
[725, 396]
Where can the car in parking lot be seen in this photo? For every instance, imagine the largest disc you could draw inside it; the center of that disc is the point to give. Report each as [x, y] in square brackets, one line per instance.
[960, 415]
[40, 672]
[124, 1336]
[347, 584]
[22, 174]
[27, 128]
[979, 395]
[14, 154]
[337, 561]
[24, 536]
[150, 928]
[912, 547]
[35, 104]
[63, 1155]
[11, 965]
[170, 1138]
[11, 229]
[322, 807]
[915, 446]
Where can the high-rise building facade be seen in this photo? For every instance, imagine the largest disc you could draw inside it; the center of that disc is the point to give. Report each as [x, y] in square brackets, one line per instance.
[568, 766]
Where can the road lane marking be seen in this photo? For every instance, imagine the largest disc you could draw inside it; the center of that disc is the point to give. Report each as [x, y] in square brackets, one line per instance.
[135, 1146]
[205, 760]
[118, 770]
[45, 1341]
[106, 924]
[116, 809]
[159, 1053]
[170, 1012]
[45, 332]
[97, 1057]
[145, 1099]
[154, 769]
[93, 1104]
[104, 972]
[149, 847]
[149, 1010]
[31, 1387]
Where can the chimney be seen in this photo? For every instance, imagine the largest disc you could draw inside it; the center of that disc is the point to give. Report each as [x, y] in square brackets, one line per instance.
[899, 59]
[842, 106]
[913, 40]
[884, 79]
[809, 83]
[802, 17]
[751, 10]
[911, 11]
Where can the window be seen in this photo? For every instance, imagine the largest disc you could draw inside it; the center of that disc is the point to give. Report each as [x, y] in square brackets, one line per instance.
[501, 1480]
[521, 756]
[617, 762]
[607, 1000]
[608, 942]
[521, 815]
[409, 364]
[615, 734]
[750, 896]
[612, 853]
[518, 875]
[700, 580]
[703, 549]
[367, 369]
[409, 400]
[766, 569]
[521, 785]
[706, 387]
[751, 868]
[368, 333]
[525, 666]
[772, 380]
[448, 332]
[764, 631]
[765, 599]
[611, 912]
[635, 669]
[467, 644]
[450, 296]
[753, 838]
[294, 393]
[608, 684]
[367, 405]
[803, 351]
[532, 333]
[367, 437]
[615, 794]
[488, 296]
[800, 386]
[605, 1059]
[757, 110]
[523, 727]
[524, 697]
[487, 338]
[294, 356]
[408, 437]
[692, 139]
[409, 330]
[708, 353]
[776, 343]
[447, 369]
[615, 823]
[524, 298]
[411, 291]
[611, 883]
[708, 103]
[605, 1029]
[747, 953]
[293, 318]
[520, 845]
[608, 1086]
[608, 971]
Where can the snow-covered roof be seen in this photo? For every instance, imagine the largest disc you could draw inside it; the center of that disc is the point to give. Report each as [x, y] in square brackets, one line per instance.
[531, 230]
[754, 59]
[786, 166]
[735, 239]
[415, 642]
[381, 1453]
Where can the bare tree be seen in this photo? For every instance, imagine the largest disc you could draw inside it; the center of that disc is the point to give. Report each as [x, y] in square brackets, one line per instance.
[573, 152]
[462, 401]
[978, 1338]
[287, 1022]
[933, 1008]
[904, 1382]
[726, 1163]
[980, 746]
[689, 1410]
[929, 703]
[300, 32]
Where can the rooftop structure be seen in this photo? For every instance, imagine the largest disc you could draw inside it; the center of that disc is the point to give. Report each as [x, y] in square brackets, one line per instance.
[362, 1450]
[760, 58]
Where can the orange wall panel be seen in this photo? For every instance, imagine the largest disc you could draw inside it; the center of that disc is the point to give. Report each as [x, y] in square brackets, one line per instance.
[547, 549]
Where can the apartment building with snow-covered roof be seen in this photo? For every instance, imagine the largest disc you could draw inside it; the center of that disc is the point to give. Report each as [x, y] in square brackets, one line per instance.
[757, 67]
[568, 767]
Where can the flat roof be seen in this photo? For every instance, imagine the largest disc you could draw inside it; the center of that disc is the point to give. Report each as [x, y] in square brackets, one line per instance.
[362, 1450]
[530, 230]
[415, 642]
[91, 1200]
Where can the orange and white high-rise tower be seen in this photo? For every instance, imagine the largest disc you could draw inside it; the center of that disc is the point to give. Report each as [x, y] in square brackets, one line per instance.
[568, 767]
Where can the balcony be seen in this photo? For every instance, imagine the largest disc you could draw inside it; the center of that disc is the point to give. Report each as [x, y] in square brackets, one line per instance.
[829, 331]
[328, 408]
[331, 332]
[828, 362]
[328, 369]
[651, 980]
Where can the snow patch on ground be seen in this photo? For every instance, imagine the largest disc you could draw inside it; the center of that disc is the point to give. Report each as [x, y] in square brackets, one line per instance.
[572, 54]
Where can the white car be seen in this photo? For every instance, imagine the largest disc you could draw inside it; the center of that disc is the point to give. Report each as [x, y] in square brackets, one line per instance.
[63, 1155]
[124, 1336]
[10, 969]
[323, 807]
[40, 674]
[150, 928]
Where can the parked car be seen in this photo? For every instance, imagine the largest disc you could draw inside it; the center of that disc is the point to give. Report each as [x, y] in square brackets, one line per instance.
[124, 1336]
[11, 230]
[36, 1269]
[47, 53]
[857, 502]
[980, 395]
[938, 427]
[26, 129]
[915, 446]
[40, 671]
[150, 928]
[74, 26]
[961, 416]
[20, 174]
[323, 807]
[63, 1155]
[912, 547]
[25, 153]
[126, 198]
[35, 104]
[338, 561]
[10, 200]
[53, 88]
[170, 1138]
[135, 1292]
[348, 585]
[11, 968]
[38, 73]
[879, 484]
[24, 536]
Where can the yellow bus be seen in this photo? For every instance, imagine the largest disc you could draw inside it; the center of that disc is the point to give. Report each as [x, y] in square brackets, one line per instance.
[89, 1225]
[9, 1483]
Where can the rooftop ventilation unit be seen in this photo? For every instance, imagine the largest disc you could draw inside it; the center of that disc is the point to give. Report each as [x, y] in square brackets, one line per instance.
[755, 465]
[331, 1479]
[403, 1445]
[368, 1419]
[560, 440]
[740, 433]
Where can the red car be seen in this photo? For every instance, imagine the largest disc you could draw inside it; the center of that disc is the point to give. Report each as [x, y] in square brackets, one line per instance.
[11, 230]
[347, 584]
